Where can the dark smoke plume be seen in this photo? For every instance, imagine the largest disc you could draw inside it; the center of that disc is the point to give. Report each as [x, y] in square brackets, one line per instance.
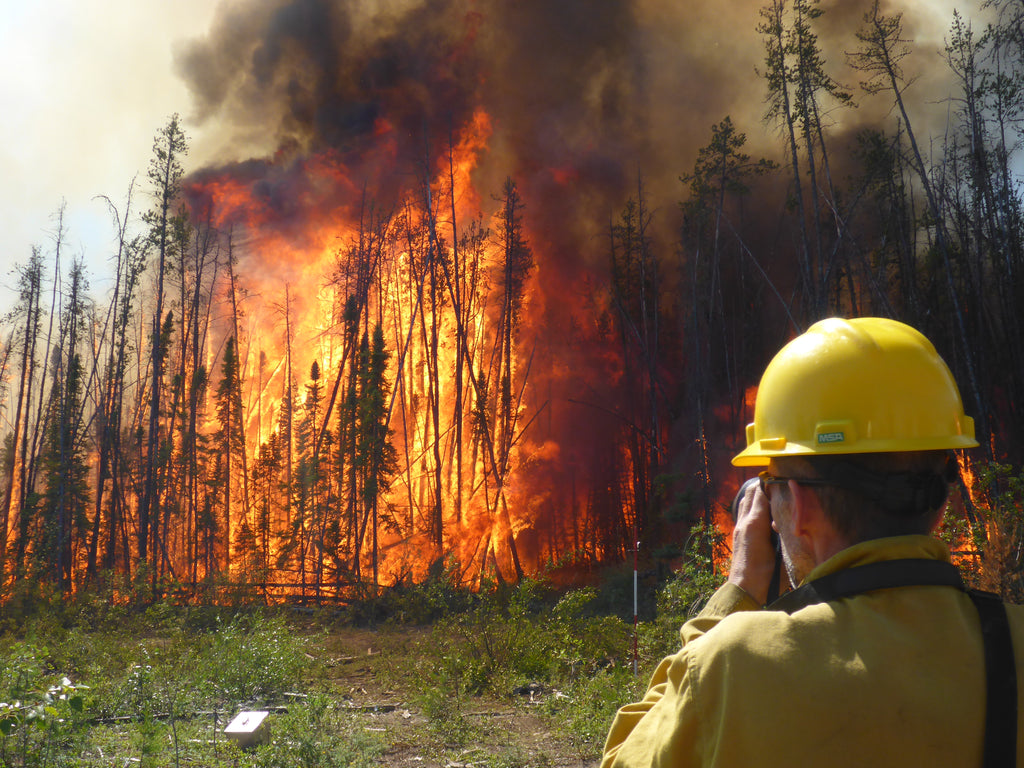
[598, 93]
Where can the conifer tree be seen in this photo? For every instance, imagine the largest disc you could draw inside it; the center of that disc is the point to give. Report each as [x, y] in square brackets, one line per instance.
[29, 308]
[879, 57]
[110, 509]
[228, 440]
[515, 268]
[63, 507]
[376, 455]
[266, 498]
[165, 174]
[636, 293]
[310, 478]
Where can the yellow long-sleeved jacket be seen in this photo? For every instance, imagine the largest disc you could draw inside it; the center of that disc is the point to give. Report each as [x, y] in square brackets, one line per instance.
[893, 677]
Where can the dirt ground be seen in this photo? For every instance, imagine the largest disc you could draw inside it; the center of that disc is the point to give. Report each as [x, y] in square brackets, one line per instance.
[361, 666]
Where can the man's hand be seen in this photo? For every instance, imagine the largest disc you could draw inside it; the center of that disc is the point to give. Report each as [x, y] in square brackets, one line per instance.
[753, 556]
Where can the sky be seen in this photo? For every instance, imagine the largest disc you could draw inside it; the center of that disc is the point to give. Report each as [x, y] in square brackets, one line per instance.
[86, 86]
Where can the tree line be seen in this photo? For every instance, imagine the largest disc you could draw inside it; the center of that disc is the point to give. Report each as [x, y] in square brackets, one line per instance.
[152, 442]
[924, 228]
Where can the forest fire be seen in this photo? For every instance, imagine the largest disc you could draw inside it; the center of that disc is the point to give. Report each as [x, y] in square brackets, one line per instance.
[455, 402]
[407, 341]
[433, 308]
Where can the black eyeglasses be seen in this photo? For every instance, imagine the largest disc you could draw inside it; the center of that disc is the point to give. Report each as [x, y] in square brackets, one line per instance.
[765, 479]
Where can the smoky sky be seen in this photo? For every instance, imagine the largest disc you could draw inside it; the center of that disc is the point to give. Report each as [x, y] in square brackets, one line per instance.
[569, 85]
[597, 92]
[310, 76]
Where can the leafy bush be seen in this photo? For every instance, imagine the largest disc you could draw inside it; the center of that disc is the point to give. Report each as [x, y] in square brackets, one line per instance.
[41, 713]
[682, 596]
[516, 637]
[444, 709]
[249, 660]
[987, 528]
[590, 701]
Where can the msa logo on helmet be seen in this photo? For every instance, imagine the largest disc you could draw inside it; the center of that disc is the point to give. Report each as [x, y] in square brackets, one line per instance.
[831, 437]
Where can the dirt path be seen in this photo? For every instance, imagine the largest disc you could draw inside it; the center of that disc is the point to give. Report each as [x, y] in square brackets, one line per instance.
[365, 670]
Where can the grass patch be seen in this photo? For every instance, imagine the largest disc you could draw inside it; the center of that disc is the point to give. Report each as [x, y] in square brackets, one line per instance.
[510, 676]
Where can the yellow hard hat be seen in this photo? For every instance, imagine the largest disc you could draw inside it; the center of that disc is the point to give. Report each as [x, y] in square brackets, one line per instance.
[867, 385]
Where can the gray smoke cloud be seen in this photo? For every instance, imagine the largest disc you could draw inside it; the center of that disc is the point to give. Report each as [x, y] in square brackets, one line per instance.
[602, 91]
[584, 98]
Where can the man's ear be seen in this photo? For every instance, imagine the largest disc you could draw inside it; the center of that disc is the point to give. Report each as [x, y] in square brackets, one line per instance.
[806, 513]
[811, 526]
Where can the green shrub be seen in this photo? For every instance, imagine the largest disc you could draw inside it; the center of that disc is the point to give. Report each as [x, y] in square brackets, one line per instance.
[516, 637]
[41, 712]
[407, 602]
[681, 597]
[444, 711]
[249, 660]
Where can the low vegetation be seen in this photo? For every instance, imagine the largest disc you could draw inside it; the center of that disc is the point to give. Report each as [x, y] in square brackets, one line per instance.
[507, 676]
[428, 674]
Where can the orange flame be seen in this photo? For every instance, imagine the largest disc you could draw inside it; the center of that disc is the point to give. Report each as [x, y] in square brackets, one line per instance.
[491, 507]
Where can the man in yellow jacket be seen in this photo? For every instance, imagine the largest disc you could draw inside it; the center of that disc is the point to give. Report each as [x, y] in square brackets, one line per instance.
[880, 657]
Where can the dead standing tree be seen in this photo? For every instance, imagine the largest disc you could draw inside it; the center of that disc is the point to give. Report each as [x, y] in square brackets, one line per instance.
[30, 289]
[165, 173]
[882, 49]
[109, 525]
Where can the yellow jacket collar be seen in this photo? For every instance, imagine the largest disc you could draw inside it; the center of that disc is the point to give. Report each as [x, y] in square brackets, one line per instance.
[876, 550]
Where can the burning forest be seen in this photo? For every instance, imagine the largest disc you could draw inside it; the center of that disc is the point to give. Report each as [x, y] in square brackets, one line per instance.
[481, 288]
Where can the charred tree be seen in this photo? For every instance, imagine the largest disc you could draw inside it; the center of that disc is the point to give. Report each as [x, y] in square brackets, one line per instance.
[165, 173]
[30, 280]
[882, 49]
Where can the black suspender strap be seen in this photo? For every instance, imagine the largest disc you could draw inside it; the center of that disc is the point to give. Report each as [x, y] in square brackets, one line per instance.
[866, 578]
[1000, 682]
[1000, 666]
